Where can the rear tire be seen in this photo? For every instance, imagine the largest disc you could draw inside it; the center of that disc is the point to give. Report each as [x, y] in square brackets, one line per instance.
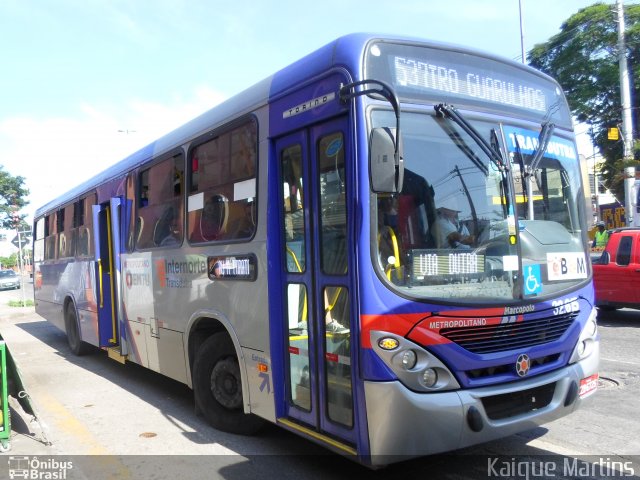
[76, 345]
[217, 387]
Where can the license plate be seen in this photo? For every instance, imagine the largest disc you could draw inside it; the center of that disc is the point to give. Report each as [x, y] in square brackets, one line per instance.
[588, 385]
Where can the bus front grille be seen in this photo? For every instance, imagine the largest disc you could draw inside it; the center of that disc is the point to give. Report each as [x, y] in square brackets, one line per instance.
[510, 336]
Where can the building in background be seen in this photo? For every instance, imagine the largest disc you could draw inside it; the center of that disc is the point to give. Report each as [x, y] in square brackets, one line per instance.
[604, 205]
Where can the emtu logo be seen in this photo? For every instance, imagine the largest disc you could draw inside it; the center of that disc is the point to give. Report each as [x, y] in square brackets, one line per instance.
[161, 273]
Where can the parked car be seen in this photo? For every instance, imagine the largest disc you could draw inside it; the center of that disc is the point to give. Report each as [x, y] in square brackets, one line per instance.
[9, 279]
[616, 273]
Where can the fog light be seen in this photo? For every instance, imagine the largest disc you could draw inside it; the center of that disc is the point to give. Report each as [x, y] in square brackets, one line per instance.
[409, 359]
[429, 377]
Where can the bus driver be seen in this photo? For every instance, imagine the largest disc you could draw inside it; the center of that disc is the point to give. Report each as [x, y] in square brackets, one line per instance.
[450, 233]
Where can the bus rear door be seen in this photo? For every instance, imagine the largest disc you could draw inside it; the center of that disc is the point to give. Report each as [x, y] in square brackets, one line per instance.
[106, 219]
[317, 293]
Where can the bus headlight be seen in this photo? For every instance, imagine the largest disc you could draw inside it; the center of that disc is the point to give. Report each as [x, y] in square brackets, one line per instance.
[418, 369]
[409, 359]
[587, 340]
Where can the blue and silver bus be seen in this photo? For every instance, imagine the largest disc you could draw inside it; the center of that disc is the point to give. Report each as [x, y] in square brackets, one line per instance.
[382, 248]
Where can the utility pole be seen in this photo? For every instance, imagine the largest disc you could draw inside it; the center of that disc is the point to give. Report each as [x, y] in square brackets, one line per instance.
[524, 53]
[625, 90]
[20, 263]
[627, 119]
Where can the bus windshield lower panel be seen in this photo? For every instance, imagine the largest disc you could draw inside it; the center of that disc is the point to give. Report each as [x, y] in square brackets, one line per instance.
[462, 228]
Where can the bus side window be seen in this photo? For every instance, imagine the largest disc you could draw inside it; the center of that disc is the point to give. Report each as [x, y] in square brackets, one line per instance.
[50, 237]
[68, 235]
[85, 229]
[38, 243]
[130, 208]
[161, 204]
[61, 244]
[222, 202]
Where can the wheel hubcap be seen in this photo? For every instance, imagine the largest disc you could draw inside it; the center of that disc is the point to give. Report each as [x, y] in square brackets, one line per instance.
[225, 383]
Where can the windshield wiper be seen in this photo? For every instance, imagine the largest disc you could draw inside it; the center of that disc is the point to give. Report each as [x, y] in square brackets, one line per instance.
[523, 176]
[450, 112]
[529, 171]
[492, 150]
[459, 142]
[504, 183]
[543, 142]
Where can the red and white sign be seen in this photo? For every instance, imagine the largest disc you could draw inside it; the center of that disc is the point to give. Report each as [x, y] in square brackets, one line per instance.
[588, 385]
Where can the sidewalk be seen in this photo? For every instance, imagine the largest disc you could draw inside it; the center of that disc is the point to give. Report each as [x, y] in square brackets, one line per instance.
[28, 433]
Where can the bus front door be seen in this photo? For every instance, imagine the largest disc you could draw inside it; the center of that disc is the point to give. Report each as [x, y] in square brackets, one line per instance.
[317, 294]
[106, 218]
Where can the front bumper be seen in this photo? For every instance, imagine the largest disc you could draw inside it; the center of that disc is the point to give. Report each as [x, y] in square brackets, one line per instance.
[405, 424]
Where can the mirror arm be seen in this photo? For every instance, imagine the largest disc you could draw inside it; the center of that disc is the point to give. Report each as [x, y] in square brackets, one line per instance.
[348, 92]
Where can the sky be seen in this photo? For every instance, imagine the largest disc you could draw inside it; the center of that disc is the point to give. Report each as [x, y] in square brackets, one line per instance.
[84, 83]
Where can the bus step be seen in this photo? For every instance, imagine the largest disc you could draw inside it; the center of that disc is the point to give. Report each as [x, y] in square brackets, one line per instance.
[326, 440]
[114, 354]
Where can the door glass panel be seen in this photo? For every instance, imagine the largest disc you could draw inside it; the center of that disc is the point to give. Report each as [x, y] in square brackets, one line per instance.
[293, 208]
[333, 218]
[338, 355]
[298, 310]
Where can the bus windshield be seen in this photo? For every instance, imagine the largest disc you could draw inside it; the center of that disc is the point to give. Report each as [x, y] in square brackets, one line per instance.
[463, 229]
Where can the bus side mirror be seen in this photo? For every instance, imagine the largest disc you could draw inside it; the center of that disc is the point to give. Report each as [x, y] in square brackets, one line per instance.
[386, 165]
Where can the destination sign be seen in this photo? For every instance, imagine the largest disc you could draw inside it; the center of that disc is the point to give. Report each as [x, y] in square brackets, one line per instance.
[430, 263]
[410, 72]
[449, 75]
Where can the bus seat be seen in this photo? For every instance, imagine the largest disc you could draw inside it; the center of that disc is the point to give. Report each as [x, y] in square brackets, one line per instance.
[214, 218]
[162, 228]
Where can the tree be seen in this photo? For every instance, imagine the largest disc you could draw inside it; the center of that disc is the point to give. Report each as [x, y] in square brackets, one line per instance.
[12, 199]
[583, 57]
[10, 261]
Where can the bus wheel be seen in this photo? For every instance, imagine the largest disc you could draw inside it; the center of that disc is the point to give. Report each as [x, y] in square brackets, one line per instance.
[217, 387]
[77, 346]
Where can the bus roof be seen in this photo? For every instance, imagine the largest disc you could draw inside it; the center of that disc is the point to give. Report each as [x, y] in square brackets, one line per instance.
[347, 52]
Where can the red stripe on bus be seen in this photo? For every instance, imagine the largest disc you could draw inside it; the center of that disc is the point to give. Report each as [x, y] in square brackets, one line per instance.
[401, 324]
[392, 323]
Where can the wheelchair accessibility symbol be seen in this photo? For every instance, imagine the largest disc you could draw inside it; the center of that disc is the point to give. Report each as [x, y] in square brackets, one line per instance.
[532, 280]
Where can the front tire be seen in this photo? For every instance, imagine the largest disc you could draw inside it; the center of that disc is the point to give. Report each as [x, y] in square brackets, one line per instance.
[217, 387]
